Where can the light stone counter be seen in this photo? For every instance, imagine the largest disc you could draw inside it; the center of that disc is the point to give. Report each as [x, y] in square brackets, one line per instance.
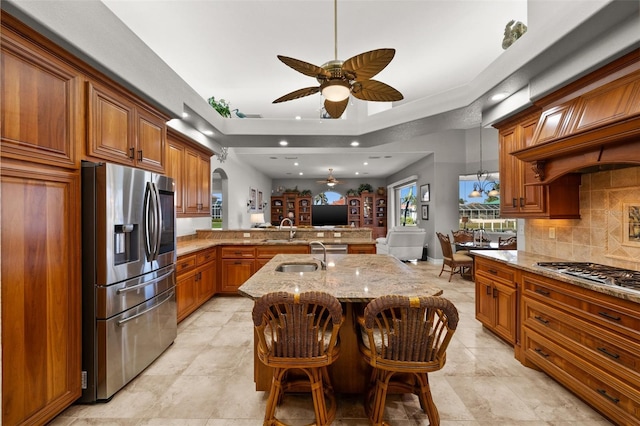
[527, 262]
[350, 278]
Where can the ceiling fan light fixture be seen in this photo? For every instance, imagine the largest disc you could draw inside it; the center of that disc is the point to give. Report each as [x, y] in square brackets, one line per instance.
[331, 184]
[335, 90]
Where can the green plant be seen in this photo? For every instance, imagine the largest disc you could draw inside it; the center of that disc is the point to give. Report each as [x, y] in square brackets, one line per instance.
[365, 187]
[352, 192]
[305, 193]
[221, 106]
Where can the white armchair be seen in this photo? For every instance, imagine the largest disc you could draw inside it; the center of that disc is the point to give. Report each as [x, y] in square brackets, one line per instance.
[403, 242]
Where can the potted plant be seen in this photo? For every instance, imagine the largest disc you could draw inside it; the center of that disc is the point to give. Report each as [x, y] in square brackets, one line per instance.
[305, 193]
[221, 106]
[364, 188]
[352, 192]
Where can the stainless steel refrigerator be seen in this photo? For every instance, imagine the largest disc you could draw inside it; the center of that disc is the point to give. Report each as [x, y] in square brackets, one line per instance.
[128, 274]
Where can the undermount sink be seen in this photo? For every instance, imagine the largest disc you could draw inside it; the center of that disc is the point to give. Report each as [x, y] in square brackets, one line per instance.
[297, 267]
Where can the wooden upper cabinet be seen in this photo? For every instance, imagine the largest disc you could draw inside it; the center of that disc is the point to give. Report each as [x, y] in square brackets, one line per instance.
[189, 164]
[521, 196]
[123, 132]
[41, 104]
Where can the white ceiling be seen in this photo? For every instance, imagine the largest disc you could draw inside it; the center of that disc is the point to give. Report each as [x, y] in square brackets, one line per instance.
[448, 57]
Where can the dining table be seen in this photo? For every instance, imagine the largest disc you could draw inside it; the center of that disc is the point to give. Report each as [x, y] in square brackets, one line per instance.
[355, 280]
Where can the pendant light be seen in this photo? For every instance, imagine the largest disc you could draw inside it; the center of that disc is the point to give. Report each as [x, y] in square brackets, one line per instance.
[483, 185]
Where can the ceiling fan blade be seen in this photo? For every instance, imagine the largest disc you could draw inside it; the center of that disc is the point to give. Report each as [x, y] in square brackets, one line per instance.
[305, 67]
[300, 93]
[335, 109]
[373, 90]
[367, 64]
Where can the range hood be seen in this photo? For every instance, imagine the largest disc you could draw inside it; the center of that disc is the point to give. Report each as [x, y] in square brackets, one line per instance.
[593, 123]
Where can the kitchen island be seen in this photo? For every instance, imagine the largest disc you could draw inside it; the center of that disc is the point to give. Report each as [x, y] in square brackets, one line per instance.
[354, 280]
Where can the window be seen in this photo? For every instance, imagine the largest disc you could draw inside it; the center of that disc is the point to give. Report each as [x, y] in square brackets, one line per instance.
[405, 197]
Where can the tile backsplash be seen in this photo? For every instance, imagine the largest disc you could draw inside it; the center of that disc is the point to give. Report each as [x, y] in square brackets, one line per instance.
[605, 233]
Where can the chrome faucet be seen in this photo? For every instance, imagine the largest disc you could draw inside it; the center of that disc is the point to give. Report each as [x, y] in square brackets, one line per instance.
[323, 262]
[292, 233]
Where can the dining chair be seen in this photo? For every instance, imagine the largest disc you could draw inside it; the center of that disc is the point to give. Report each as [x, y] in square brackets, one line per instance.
[299, 331]
[462, 236]
[405, 338]
[458, 263]
[510, 243]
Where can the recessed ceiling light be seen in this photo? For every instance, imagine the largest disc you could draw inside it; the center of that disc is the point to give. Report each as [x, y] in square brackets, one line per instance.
[355, 143]
[207, 132]
[300, 173]
[298, 117]
[499, 96]
[185, 115]
[357, 173]
[284, 143]
[365, 163]
[295, 164]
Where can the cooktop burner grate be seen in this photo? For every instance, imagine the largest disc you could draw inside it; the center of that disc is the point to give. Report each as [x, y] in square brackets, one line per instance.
[604, 274]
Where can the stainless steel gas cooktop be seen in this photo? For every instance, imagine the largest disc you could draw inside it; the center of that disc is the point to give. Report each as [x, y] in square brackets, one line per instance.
[626, 279]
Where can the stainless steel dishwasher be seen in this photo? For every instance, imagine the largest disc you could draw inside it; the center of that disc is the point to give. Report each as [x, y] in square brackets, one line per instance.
[331, 249]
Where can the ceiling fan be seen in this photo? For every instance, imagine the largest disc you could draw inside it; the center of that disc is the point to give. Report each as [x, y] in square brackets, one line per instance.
[330, 180]
[338, 79]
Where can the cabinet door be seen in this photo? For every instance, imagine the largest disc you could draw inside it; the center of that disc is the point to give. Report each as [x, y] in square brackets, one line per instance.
[41, 102]
[505, 311]
[150, 141]
[41, 293]
[235, 272]
[110, 126]
[510, 173]
[362, 249]
[204, 179]
[484, 301]
[186, 295]
[175, 169]
[197, 194]
[533, 199]
[206, 282]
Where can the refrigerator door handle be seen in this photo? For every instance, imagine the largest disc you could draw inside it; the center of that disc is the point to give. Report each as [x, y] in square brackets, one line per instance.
[151, 222]
[146, 283]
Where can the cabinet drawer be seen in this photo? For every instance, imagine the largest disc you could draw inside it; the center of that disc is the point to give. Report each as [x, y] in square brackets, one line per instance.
[205, 256]
[612, 313]
[185, 263]
[267, 252]
[238, 252]
[494, 269]
[612, 397]
[608, 350]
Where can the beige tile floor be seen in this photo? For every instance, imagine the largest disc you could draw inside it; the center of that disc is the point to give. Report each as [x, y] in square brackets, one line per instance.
[206, 378]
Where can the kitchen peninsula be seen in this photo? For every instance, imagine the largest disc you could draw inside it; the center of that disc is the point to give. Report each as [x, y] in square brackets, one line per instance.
[354, 280]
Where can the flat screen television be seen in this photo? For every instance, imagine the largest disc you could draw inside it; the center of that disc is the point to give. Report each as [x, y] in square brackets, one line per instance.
[329, 215]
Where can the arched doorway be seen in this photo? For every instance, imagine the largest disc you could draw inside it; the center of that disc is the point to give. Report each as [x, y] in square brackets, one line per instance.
[219, 193]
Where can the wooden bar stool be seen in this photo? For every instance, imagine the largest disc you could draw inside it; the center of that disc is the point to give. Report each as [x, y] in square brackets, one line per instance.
[407, 337]
[299, 331]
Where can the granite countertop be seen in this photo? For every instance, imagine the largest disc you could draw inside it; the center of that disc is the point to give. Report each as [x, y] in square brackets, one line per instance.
[527, 262]
[350, 278]
[193, 245]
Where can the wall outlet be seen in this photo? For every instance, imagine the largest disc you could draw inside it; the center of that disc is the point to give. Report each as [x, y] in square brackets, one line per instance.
[337, 234]
[552, 233]
[319, 234]
[246, 235]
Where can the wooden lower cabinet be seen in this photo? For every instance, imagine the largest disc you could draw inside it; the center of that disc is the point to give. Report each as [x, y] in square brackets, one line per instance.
[497, 298]
[361, 249]
[41, 292]
[587, 341]
[237, 264]
[195, 281]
